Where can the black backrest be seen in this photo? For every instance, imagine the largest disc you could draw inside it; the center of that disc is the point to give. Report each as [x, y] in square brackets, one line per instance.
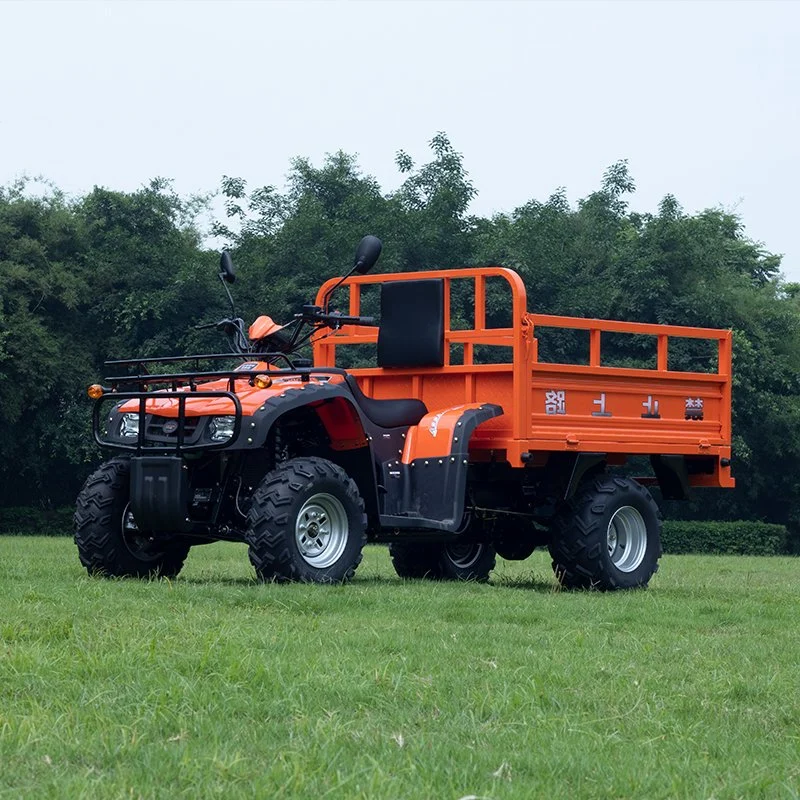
[411, 333]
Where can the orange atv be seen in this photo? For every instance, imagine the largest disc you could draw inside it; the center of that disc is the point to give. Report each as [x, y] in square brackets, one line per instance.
[447, 459]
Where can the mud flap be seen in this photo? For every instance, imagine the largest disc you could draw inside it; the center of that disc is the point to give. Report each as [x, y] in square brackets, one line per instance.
[427, 488]
[159, 493]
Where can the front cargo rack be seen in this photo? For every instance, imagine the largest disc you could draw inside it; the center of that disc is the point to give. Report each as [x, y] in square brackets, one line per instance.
[146, 387]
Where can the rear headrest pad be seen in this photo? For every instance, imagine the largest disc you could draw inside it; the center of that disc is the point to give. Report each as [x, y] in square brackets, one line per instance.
[411, 332]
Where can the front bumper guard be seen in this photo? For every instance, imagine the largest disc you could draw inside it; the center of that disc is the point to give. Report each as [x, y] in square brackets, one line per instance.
[179, 446]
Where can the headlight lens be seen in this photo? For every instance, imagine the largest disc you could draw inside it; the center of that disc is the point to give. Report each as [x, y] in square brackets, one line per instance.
[129, 427]
[221, 428]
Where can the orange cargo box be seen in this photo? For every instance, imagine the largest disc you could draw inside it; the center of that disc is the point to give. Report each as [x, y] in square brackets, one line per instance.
[589, 407]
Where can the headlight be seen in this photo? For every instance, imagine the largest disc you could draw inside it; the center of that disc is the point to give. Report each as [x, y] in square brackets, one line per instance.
[129, 427]
[221, 428]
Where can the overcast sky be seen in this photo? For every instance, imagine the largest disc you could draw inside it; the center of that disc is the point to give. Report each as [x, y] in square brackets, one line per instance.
[702, 98]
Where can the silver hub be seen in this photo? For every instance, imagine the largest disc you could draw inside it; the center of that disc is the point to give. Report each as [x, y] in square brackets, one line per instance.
[464, 556]
[321, 530]
[626, 539]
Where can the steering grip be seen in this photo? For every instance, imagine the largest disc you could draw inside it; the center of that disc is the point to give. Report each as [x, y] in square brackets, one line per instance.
[225, 325]
[342, 319]
[316, 314]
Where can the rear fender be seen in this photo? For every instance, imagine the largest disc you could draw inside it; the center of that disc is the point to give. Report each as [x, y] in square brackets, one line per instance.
[426, 487]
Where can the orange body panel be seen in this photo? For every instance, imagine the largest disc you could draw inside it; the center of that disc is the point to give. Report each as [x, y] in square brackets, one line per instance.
[342, 425]
[435, 434]
[553, 407]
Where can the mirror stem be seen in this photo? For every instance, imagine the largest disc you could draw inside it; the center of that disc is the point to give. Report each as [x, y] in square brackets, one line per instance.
[227, 292]
[333, 288]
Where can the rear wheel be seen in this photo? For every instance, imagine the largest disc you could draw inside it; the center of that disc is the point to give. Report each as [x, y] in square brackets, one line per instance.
[514, 537]
[306, 523]
[608, 536]
[415, 559]
[109, 540]
[468, 561]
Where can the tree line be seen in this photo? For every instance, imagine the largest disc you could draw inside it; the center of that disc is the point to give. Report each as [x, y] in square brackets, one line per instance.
[114, 274]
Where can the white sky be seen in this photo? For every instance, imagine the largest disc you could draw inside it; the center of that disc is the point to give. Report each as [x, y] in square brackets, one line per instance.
[701, 97]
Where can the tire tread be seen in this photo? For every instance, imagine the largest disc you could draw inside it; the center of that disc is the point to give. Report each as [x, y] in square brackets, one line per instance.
[578, 536]
[269, 548]
[100, 550]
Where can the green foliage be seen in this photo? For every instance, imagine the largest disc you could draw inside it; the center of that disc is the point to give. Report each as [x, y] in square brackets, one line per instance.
[27, 521]
[116, 274]
[724, 538]
[105, 276]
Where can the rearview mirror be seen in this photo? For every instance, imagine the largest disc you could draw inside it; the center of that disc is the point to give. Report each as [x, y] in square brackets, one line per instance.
[226, 267]
[369, 249]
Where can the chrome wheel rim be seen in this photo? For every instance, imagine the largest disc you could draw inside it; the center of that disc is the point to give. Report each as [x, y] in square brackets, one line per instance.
[140, 545]
[321, 530]
[626, 539]
[464, 556]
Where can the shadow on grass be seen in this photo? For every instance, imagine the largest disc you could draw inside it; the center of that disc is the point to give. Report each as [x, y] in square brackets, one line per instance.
[527, 583]
[211, 580]
[522, 583]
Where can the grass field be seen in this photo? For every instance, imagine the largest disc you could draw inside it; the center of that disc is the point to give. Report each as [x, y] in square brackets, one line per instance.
[214, 686]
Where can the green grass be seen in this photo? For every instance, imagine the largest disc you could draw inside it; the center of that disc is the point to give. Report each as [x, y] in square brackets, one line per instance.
[214, 686]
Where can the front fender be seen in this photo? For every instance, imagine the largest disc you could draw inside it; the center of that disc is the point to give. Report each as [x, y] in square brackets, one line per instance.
[346, 431]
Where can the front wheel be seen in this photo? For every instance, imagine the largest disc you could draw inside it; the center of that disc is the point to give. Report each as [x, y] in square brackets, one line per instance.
[109, 540]
[608, 536]
[306, 523]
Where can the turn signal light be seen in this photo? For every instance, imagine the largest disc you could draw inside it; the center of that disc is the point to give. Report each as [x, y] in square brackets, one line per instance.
[95, 391]
[262, 381]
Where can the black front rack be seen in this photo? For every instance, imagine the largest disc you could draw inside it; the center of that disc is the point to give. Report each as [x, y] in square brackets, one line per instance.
[143, 387]
[190, 379]
[269, 357]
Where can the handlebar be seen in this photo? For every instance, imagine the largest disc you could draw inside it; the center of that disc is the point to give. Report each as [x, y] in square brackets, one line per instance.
[239, 342]
[334, 320]
[337, 320]
[233, 329]
[227, 325]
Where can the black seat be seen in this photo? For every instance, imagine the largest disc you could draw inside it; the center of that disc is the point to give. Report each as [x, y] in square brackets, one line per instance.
[387, 413]
[411, 334]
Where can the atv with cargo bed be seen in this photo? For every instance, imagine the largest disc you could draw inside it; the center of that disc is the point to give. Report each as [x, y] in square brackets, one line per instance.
[449, 460]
